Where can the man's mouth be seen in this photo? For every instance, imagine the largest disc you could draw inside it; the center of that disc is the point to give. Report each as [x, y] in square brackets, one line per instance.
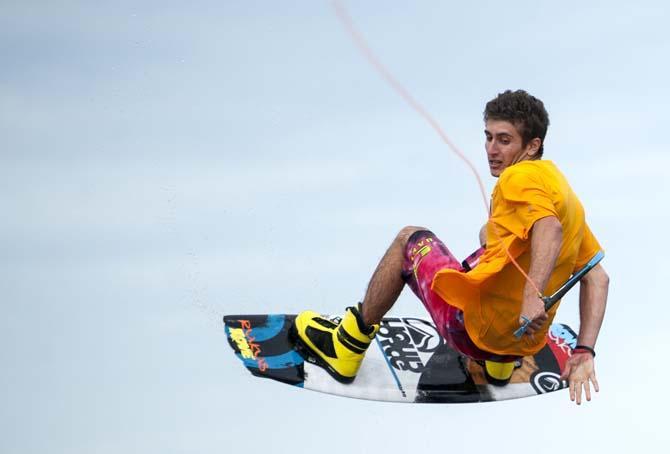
[493, 163]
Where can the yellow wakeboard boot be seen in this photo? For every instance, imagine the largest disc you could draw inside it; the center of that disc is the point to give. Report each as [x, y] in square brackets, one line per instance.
[336, 344]
[498, 374]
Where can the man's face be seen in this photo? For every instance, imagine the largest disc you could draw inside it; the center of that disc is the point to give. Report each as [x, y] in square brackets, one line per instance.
[504, 146]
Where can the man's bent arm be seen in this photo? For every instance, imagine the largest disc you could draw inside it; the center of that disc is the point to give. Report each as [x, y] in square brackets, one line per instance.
[545, 244]
[593, 290]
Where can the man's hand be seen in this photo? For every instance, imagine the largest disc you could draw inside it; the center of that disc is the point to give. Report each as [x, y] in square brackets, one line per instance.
[532, 309]
[580, 373]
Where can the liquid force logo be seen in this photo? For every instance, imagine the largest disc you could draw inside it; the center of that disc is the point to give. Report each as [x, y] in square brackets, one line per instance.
[247, 345]
[408, 343]
[546, 382]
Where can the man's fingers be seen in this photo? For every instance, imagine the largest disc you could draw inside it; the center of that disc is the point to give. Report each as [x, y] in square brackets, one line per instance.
[595, 382]
[536, 325]
[533, 322]
[578, 390]
[581, 376]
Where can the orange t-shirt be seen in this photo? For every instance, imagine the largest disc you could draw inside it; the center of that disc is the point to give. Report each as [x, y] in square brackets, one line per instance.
[491, 294]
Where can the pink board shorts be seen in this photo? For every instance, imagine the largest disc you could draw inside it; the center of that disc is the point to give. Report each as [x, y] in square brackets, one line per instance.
[425, 255]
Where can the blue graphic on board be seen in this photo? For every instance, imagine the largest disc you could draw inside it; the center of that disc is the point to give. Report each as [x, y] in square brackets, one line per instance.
[288, 359]
[559, 331]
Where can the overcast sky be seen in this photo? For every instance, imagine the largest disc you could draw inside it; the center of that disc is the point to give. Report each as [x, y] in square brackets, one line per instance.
[166, 163]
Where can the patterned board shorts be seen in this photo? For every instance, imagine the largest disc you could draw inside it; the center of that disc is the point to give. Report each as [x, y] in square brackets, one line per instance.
[425, 255]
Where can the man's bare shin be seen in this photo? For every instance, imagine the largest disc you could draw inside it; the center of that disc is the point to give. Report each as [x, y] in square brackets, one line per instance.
[386, 282]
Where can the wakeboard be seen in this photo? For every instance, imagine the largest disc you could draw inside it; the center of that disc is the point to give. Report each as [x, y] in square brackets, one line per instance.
[408, 362]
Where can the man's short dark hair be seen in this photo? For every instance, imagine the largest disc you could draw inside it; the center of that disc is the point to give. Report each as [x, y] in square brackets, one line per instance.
[525, 112]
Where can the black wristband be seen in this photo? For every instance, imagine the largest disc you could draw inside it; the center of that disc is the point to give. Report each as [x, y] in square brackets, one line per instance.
[587, 348]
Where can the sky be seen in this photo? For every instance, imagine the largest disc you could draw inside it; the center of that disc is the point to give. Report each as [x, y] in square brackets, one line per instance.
[166, 163]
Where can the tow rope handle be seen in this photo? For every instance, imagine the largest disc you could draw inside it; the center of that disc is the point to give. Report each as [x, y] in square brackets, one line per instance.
[550, 301]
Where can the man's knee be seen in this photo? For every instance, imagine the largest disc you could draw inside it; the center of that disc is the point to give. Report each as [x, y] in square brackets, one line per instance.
[406, 232]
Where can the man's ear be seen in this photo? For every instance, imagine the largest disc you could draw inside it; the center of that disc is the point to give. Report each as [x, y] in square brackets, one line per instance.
[533, 147]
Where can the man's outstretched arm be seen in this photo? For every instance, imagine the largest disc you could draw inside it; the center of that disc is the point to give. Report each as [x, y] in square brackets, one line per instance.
[579, 369]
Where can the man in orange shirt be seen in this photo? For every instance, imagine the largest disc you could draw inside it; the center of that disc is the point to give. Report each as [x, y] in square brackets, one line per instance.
[536, 221]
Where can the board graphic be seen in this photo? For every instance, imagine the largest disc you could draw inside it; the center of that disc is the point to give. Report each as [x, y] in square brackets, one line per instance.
[408, 362]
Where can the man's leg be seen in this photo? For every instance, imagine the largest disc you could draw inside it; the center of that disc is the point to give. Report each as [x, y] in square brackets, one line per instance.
[387, 281]
[428, 251]
[339, 345]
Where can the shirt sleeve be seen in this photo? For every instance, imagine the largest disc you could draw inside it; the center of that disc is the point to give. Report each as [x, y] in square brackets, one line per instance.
[523, 199]
[587, 249]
